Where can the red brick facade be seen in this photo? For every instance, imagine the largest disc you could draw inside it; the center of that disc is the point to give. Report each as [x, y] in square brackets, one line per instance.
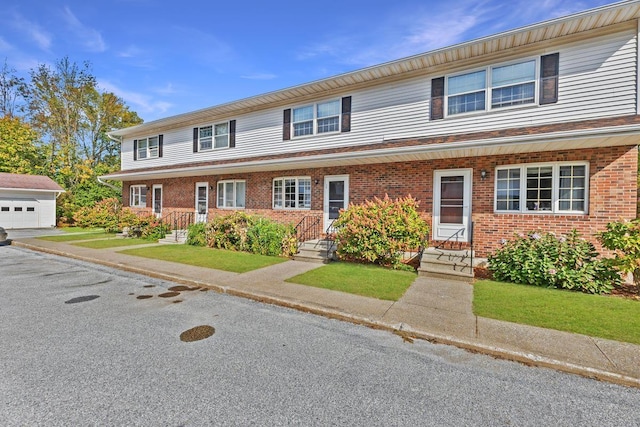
[612, 191]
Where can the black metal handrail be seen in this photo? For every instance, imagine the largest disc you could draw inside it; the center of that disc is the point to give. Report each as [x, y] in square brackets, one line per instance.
[308, 229]
[330, 233]
[448, 239]
[178, 222]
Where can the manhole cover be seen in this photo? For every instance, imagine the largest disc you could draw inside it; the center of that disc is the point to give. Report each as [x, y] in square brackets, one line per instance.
[169, 294]
[198, 333]
[144, 296]
[82, 299]
[182, 288]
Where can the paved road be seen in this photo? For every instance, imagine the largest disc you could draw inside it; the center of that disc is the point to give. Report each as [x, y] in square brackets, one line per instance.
[118, 360]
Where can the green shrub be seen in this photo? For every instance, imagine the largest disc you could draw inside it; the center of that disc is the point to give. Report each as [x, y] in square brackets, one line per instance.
[104, 214]
[379, 231]
[567, 262]
[623, 238]
[152, 228]
[229, 231]
[196, 234]
[243, 232]
[267, 237]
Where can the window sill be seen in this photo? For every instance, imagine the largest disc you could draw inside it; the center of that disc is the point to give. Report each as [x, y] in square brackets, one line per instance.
[492, 111]
[572, 213]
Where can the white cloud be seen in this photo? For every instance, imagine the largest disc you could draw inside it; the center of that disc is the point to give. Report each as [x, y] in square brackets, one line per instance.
[259, 76]
[89, 37]
[4, 45]
[168, 89]
[41, 37]
[140, 103]
[130, 52]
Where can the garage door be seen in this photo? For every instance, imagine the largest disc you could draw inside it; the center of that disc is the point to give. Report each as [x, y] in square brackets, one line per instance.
[19, 213]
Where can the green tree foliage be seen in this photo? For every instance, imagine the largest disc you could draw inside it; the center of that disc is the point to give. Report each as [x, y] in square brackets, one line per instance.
[380, 231]
[19, 152]
[12, 90]
[566, 262]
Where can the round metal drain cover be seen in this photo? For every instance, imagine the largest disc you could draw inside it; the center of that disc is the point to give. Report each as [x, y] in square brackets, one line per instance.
[198, 333]
[82, 299]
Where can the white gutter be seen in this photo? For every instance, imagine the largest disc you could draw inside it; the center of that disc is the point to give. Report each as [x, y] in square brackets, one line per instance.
[113, 187]
[614, 131]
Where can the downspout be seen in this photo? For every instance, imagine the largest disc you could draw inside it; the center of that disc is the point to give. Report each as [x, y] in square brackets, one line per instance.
[113, 187]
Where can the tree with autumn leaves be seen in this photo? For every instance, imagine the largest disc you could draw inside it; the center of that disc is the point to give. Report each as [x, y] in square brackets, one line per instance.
[56, 124]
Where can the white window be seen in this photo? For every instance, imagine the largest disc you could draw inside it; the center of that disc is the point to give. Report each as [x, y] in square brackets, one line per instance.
[138, 196]
[148, 147]
[231, 194]
[542, 188]
[318, 118]
[292, 193]
[492, 87]
[215, 136]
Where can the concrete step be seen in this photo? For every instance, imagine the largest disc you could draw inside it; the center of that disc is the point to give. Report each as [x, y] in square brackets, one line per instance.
[315, 251]
[446, 263]
[175, 237]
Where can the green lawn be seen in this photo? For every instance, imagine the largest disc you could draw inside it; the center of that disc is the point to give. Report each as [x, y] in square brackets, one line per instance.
[365, 280]
[80, 229]
[238, 262]
[78, 236]
[595, 315]
[112, 243]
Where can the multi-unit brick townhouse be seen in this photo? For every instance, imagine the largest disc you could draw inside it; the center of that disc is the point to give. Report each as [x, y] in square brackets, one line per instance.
[531, 129]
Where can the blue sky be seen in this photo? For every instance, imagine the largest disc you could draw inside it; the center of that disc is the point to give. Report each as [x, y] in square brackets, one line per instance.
[166, 58]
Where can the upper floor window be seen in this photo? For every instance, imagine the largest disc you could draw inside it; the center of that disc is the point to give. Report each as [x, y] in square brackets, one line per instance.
[148, 147]
[318, 118]
[550, 188]
[215, 136]
[138, 196]
[292, 193]
[492, 87]
[231, 194]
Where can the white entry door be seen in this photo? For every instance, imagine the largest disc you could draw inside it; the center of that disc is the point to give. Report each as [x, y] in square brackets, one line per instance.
[202, 201]
[157, 200]
[452, 204]
[336, 197]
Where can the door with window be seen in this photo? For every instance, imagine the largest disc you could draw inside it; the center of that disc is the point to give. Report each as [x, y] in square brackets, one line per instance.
[336, 197]
[202, 201]
[452, 204]
[157, 200]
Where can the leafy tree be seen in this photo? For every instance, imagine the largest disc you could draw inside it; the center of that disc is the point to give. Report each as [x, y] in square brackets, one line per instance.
[12, 89]
[18, 150]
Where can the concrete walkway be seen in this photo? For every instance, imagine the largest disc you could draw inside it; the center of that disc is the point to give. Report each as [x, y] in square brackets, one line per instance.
[437, 310]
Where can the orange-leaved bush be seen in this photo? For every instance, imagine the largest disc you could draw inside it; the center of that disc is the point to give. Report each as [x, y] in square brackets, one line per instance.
[379, 231]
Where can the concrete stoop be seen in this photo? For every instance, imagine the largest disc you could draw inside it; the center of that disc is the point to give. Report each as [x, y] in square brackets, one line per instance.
[175, 237]
[446, 264]
[316, 251]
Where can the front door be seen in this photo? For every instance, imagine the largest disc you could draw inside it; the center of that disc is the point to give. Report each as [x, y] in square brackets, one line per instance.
[452, 204]
[202, 201]
[336, 197]
[157, 200]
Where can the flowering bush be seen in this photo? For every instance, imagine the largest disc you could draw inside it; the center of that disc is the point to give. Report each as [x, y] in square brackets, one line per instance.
[379, 231]
[196, 234]
[623, 238]
[243, 232]
[542, 259]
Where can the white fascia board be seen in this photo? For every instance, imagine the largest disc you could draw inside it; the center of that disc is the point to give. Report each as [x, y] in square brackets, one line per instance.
[398, 152]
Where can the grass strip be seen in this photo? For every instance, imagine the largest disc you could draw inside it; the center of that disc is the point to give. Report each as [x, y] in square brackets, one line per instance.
[366, 280]
[601, 316]
[80, 230]
[112, 243]
[77, 236]
[237, 262]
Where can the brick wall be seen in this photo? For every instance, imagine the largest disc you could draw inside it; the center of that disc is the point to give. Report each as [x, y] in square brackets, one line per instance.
[612, 191]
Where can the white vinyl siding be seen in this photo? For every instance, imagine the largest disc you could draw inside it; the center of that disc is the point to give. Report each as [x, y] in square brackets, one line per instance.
[560, 188]
[597, 80]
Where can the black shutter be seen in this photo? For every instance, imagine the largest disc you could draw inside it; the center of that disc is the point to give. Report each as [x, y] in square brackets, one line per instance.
[286, 125]
[135, 149]
[437, 98]
[346, 114]
[549, 71]
[160, 138]
[232, 133]
[195, 140]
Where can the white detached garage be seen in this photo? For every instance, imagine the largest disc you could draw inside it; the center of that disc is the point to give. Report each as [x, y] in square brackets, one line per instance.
[28, 201]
